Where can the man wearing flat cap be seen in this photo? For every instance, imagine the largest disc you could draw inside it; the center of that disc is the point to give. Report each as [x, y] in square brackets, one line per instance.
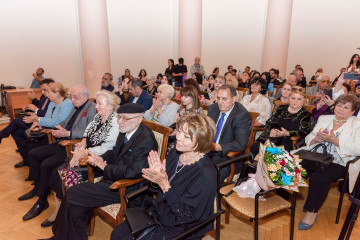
[125, 161]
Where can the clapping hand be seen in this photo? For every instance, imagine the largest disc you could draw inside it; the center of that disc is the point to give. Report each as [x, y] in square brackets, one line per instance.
[96, 160]
[326, 136]
[156, 103]
[156, 172]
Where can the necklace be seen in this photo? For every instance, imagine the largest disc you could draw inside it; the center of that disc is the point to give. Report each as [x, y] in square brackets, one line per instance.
[339, 121]
[181, 165]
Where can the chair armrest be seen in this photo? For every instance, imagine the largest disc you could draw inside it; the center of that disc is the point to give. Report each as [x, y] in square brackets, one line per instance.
[233, 160]
[352, 161]
[200, 225]
[125, 183]
[257, 128]
[234, 154]
[46, 131]
[295, 138]
[65, 143]
[136, 193]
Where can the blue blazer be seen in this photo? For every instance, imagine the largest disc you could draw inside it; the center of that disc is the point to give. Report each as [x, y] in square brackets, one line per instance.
[144, 99]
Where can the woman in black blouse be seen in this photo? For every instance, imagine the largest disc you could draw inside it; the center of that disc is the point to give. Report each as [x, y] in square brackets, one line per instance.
[170, 69]
[186, 182]
[150, 86]
[287, 121]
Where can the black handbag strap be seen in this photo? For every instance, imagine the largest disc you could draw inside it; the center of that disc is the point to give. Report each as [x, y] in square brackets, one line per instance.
[318, 146]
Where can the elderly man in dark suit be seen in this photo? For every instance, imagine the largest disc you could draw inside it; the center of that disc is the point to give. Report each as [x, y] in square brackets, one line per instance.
[138, 95]
[46, 158]
[233, 126]
[125, 161]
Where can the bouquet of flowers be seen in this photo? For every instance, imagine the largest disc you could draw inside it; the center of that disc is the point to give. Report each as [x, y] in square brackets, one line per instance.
[277, 168]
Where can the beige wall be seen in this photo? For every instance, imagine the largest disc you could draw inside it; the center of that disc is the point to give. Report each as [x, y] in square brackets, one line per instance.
[141, 35]
[144, 34]
[39, 33]
[233, 33]
[323, 34]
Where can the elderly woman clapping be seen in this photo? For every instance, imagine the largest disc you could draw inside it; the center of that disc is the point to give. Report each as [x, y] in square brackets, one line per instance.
[186, 180]
[340, 133]
[163, 110]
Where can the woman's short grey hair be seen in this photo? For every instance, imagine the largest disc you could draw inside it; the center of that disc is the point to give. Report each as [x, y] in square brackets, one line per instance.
[170, 91]
[112, 98]
[152, 79]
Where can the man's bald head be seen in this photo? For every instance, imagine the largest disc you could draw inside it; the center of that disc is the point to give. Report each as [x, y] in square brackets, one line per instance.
[79, 95]
[292, 80]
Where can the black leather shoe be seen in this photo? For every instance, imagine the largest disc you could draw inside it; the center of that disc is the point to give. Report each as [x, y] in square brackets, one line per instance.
[35, 211]
[47, 223]
[20, 164]
[27, 196]
[52, 238]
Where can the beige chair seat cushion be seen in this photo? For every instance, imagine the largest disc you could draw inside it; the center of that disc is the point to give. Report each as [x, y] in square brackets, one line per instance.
[246, 206]
[111, 209]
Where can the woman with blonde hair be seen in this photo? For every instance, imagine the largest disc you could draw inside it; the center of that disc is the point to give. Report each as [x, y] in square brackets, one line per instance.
[287, 121]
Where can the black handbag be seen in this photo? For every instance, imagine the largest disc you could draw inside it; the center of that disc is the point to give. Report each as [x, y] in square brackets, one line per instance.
[33, 136]
[313, 161]
[141, 222]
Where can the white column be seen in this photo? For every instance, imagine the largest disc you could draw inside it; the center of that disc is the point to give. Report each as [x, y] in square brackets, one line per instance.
[190, 30]
[94, 39]
[277, 34]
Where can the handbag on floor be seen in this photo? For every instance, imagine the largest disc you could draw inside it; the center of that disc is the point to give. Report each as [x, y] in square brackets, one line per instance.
[313, 161]
[141, 222]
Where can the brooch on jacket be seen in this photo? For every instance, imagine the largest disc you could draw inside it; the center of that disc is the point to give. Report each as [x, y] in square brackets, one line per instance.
[84, 114]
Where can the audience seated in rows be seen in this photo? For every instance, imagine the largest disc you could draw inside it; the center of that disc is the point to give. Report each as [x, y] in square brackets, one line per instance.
[44, 159]
[125, 161]
[186, 182]
[17, 127]
[58, 110]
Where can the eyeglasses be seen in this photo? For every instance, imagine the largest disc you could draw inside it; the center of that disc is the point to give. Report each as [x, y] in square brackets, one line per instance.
[325, 81]
[125, 119]
[75, 97]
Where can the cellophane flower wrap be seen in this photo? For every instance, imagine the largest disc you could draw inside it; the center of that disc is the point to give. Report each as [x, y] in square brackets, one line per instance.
[277, 168]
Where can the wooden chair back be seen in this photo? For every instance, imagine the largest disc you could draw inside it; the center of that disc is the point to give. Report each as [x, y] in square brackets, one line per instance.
[308, 99]
[309, 108]
[162, 134]
[277, 103]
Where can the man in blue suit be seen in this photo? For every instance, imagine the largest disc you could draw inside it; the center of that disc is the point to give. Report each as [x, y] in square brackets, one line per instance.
[138, 95]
